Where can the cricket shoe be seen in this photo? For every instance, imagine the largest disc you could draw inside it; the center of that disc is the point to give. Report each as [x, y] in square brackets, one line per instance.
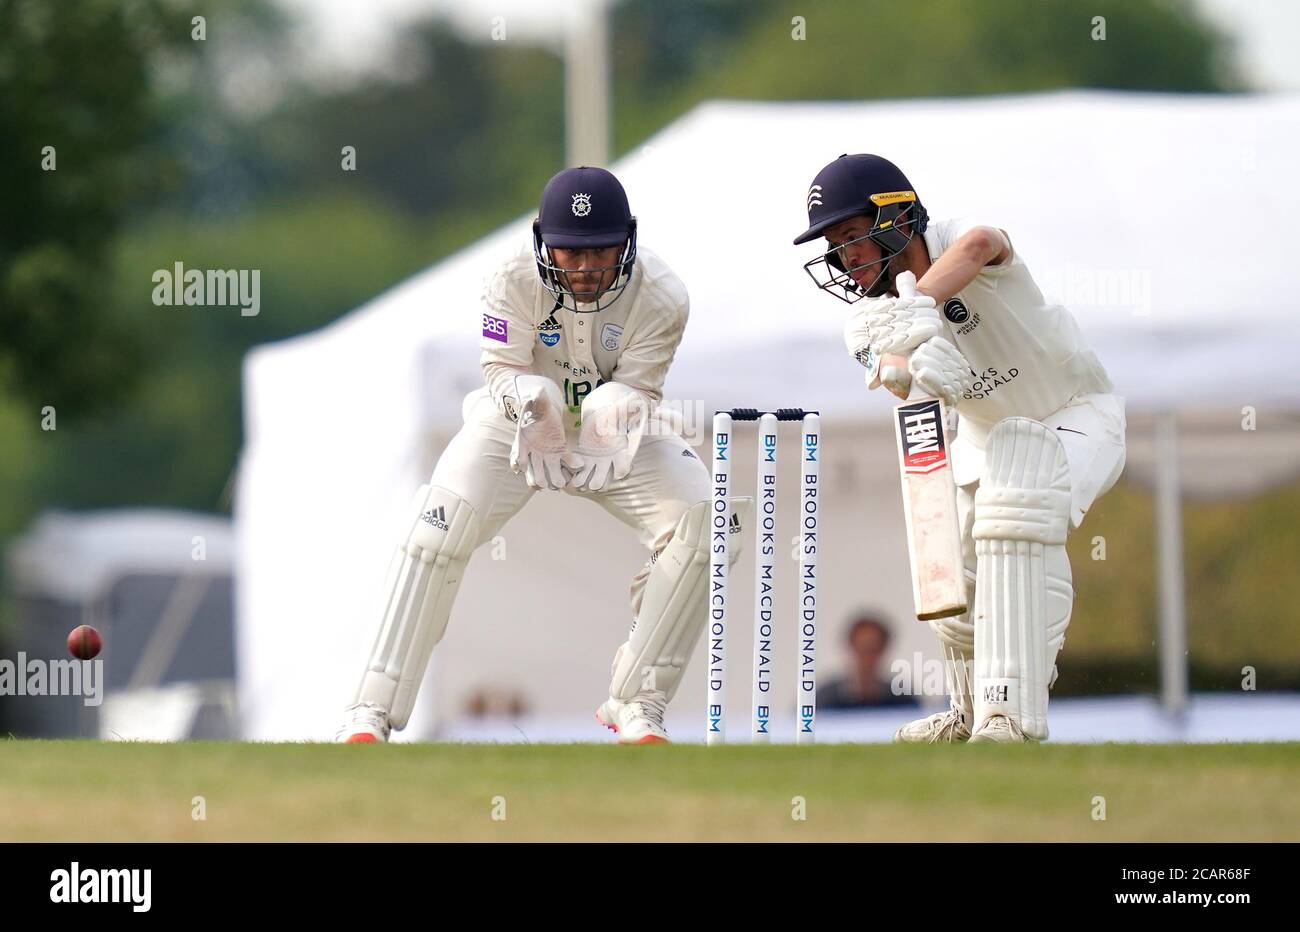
[941, 728]
[365, 723]
[1000, 729]
[639, 720]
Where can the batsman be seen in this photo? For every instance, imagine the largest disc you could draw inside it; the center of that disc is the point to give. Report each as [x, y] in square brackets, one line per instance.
[1040, 432]
[578, 333]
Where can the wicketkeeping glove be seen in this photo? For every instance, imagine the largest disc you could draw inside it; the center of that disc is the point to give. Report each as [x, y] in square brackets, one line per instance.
[540, 450]
[614, 417]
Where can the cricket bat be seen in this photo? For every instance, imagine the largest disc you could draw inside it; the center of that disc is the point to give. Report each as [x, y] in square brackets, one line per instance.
[929, 495]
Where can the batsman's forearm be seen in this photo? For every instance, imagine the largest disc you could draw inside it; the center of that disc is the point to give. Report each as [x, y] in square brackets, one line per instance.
[952, 272]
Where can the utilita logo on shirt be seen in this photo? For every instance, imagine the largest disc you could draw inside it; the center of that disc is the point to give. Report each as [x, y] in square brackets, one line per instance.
[494, 328]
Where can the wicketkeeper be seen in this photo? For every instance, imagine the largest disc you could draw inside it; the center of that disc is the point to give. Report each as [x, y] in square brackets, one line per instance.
[1040, 433]
[578, 333]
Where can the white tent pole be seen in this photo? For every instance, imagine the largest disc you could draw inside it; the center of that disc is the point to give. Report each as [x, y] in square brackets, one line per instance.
[1169, 571]
[586, 84]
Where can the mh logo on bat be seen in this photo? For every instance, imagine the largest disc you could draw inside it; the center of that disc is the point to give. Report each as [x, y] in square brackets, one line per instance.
[921, 427]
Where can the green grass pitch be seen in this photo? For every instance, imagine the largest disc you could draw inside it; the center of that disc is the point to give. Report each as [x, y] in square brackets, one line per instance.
[92, 791]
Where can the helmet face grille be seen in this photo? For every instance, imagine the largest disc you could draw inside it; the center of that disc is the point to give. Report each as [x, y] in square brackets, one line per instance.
[555, 279]
[832, 273]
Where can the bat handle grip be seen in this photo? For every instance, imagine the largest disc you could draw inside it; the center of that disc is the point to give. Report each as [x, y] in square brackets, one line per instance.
[894, 375]
[893, 366]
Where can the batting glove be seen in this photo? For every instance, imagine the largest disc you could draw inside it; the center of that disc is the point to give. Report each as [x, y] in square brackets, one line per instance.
[883, 326]
[941, 370]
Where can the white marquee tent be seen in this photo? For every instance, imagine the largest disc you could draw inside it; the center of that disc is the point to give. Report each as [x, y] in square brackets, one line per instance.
[1162, 221]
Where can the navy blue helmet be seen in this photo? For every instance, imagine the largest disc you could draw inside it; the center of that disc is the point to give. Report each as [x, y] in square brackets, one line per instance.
[861, 186]
[584, 208]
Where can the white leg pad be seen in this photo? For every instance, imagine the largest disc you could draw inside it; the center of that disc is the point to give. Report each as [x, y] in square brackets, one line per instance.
[422, 582]
[673, 605]
[1023, 590]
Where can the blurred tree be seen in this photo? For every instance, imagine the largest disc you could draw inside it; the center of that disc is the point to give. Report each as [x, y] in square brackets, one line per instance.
[467, 127]
[881, 49]
[1230, 546]
[659, 46]
[452, 148]
[474, 128]
[76, 81]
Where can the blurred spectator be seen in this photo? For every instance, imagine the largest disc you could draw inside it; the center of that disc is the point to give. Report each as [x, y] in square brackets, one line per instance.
[491, 701]
[863, 686]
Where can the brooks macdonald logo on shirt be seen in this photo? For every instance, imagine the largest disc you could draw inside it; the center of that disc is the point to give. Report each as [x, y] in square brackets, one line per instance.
[989, 381]
[964, 321]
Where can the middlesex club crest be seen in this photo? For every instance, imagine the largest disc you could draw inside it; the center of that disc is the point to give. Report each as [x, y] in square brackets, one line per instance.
[955, 311]
[581, 205]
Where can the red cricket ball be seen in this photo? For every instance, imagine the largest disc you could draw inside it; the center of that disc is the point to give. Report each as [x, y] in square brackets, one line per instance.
[84, 642]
